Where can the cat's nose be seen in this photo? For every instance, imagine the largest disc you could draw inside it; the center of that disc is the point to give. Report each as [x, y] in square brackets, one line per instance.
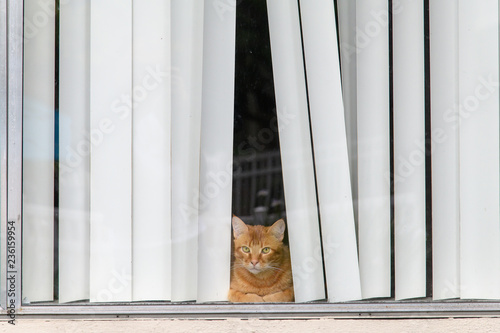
[254, 262]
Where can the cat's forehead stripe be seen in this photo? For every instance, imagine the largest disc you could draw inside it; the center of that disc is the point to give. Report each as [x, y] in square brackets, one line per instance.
[256, 236]
[258, 231]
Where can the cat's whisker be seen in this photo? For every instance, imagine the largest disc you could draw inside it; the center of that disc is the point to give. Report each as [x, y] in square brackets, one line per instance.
[235, 266]
[276, 269]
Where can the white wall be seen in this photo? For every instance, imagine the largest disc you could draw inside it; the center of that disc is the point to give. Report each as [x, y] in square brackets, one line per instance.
[256, 325]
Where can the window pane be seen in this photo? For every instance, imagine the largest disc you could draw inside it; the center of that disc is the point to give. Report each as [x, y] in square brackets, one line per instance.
[370, 127]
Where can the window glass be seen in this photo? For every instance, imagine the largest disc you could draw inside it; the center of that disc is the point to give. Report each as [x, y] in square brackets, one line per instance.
[361, 138]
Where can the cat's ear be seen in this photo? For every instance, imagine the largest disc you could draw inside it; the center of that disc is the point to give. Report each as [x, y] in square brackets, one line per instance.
[278, 229]
[239, 227]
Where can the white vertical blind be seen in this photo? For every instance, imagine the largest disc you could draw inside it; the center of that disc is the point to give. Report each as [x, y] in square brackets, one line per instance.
[479, 149]
[409, 149]
[330, 150]
[187, 56]
[346, 11]
[445, 158]
[374, 197]
[38, 152]
[145, 142]
[111, 155]
[216, 152]
[74, 151]
[296, 152]
[151, 150]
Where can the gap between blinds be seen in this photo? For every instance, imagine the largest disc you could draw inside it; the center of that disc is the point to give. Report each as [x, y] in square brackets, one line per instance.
[145, 115]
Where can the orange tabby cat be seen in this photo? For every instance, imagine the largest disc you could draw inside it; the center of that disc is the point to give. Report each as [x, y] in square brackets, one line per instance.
[261, 269]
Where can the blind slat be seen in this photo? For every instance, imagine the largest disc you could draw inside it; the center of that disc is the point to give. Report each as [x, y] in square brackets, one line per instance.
[38, 155]
[187, 56]
[296, 152]
[409, 149]
[445, 158]
[373, 146]
[111, 155]
[330, 150]
[479, 149]
[216, 153]
[74, 152]
[151, 151]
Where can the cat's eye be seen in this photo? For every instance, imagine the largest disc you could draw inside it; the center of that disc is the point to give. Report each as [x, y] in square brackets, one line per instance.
[266, 250]
[245, 249]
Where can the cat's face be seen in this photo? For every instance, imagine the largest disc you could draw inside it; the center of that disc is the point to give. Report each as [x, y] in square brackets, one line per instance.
[258, 248]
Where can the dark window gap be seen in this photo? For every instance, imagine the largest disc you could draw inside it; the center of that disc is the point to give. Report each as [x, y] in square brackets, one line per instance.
[428, 178]
[56, 154]
[391, 140]
[258, 196]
